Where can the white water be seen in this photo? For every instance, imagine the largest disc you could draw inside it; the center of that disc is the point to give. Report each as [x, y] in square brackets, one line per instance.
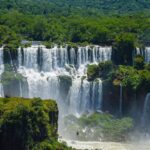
[56, 62]
[85, 96]
[121, 99]
[141, 145]
[145, 53]
[20, 89]
[146, 111]
[1, 71]
[43, 67]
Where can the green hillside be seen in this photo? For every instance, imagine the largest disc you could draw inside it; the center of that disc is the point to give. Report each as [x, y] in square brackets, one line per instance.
[77, 21]
[106, 5]
[67, 6]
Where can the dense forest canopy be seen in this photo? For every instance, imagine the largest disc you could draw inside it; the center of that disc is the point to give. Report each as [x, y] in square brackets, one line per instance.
[96, 22]
[65, 6]
[16, 26]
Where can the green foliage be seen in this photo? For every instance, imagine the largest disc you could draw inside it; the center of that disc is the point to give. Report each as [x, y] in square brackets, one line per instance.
[99, 126]
[127, 76]
[51, 145]
[92, 72]
[124, 48]
[48, 44]
[131, 78]
[147, 67]
[52, 28]
[9, 38]
[139, 62]
[105, 68]
[102, 70]
[28, 124]
[145, 79]
[68, 6]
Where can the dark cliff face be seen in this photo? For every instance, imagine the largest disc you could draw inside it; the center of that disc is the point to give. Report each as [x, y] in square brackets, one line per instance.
[110, 98]
[132, 101]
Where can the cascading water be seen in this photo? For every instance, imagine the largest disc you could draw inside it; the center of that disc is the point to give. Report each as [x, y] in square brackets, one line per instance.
[1, 71]
[60, 73]
[85, 96]
[57, 62]
[146, 111]
[45, 69]
[145, 53]
[20, 89]
[121, 99]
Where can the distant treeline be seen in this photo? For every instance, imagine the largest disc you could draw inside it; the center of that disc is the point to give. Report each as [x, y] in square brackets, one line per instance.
[16, 26]
[77, 21]
[66, 7]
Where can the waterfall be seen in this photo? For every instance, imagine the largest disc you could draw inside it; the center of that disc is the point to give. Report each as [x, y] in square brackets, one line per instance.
[145, 53]
[120, 100]
[11, 61]
[83, 96]
[1, 71]
[146, 111]
[20, 89]
[28, 58]
[59, 73]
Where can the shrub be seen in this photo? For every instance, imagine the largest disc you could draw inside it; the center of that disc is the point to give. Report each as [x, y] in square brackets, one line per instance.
[123, 49]
[139, 62]
[105, 68]
[92, 72]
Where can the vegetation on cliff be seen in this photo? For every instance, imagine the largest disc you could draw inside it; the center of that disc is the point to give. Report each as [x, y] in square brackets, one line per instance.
[28, 124]
[132, 77]
[101, 70]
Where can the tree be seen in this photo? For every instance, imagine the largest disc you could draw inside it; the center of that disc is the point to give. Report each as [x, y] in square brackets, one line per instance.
[27, 124]
[139, 62]
[123, 49]
[92, 72]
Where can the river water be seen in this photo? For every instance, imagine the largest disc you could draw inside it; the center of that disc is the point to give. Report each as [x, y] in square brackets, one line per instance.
[142, 145]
